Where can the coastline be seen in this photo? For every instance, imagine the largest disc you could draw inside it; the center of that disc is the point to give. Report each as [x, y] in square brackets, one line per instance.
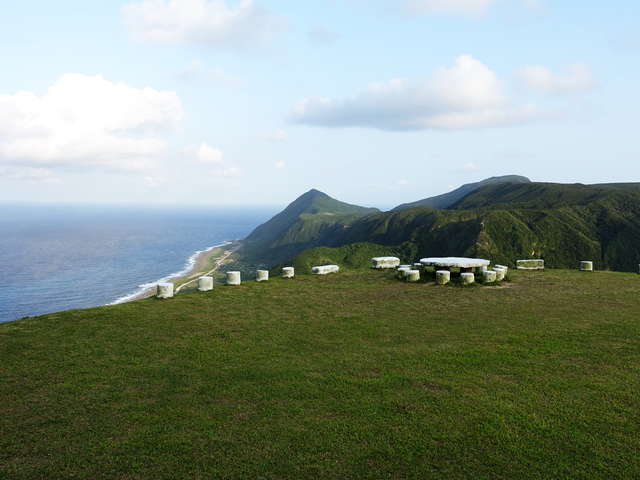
[201, 262]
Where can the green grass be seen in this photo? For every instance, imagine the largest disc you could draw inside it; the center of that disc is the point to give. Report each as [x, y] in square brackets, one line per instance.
[349, 376]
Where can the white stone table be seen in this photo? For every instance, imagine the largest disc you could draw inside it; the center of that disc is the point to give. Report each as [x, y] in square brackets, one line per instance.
[464, 264]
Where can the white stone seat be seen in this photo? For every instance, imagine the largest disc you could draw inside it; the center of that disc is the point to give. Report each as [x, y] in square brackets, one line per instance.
[443, 277]
[537, 264]
[381, 263]
[165, 290]
[325, 269]
[467, 278]
[205, 284]
[234, 278]
[288, 272]
[262, 275]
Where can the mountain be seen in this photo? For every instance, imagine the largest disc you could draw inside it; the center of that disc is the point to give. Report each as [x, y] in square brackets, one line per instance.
[562, 223]
[448, 199]
[311, 220]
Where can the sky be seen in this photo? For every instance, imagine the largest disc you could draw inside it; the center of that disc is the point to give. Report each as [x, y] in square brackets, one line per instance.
[248, 102]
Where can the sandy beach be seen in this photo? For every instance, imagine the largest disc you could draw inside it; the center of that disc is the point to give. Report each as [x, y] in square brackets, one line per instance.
[205, 263]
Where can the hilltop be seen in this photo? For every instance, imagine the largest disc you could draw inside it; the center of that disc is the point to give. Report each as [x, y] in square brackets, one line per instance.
[354, 376]
[310, 220]
[446, 200]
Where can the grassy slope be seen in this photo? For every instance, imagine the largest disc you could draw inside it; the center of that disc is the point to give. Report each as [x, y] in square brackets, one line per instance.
[350, 376]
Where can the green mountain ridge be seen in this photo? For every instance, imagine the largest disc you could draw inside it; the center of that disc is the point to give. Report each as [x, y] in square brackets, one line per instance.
[310, 220]
[446, 200]
[562, 223]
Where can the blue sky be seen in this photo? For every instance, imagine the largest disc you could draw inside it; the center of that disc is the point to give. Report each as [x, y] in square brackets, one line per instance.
[376, 102]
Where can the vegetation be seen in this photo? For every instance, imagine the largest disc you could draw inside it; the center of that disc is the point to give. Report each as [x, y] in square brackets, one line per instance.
[448, 199]
[311, 220]
[350, 376]
[505, 222]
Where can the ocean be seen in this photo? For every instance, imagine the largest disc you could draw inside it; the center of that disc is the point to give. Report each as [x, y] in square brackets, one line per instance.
[55, 257]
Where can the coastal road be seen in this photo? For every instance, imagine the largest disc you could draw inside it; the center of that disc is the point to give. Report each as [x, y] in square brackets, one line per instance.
[218, 263]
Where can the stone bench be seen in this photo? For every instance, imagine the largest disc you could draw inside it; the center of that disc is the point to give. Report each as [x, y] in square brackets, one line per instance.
[262, 276]
[530, 264]
[490, 276]
[467, 278]
[325, 269]
[381, 263]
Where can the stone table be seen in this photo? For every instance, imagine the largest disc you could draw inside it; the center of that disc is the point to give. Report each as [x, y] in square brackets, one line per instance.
[466, 265]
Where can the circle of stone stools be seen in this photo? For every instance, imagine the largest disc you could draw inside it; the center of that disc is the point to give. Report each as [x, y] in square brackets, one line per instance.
[467, 278]
[205, 284]
[165, 290]
[234, 278]
[501, 273]
[262, 275]
[288, 272]
[443, 277]
[586, 266]
[490, 276]
[412, 276]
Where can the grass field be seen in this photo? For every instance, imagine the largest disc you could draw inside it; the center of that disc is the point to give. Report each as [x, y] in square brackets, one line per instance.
[350, 376]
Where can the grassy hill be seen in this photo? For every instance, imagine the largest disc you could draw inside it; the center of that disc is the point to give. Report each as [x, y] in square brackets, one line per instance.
[350, 376]
[446, 200]
[311, 220]
[563, 224]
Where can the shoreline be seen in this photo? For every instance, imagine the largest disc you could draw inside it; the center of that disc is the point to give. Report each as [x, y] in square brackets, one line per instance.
[196, 265]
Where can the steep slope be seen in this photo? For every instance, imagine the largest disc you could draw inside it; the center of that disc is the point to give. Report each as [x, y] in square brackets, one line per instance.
[311, 220]
[448, 199]
[544, 195]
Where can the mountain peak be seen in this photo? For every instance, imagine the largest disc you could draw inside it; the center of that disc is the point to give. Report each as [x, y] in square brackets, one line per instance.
[448, 199]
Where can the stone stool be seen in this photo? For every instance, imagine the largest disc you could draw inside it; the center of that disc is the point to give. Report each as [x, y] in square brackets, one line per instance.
[288, 272]
[262, 275]
[234, 278]
[586, 266]
[443, 277]
[165, 290]
[205, 284]
[412, 276]
[468, 278]
[490, 276]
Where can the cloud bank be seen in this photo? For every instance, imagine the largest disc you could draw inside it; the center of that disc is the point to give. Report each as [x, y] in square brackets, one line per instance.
[204, 22]
[465, 95]
[575, 78]
[87, 122]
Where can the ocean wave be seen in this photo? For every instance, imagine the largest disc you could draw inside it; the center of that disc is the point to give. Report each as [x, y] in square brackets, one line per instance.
[191, 261]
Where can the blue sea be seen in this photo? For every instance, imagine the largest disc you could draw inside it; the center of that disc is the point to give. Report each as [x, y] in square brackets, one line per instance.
[57, 257]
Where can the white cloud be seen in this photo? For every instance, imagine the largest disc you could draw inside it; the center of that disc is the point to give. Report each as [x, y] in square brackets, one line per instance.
[280, 164]
[277, 136]
[403, 181]
[575, 78]
[228, 172]
[87, 121]
[468, 7]
[465, 7]
[198, 70]
[205, 153]
[470, 167]
[466, 95]
[154, 182]
[205, 22]
[29, 174]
